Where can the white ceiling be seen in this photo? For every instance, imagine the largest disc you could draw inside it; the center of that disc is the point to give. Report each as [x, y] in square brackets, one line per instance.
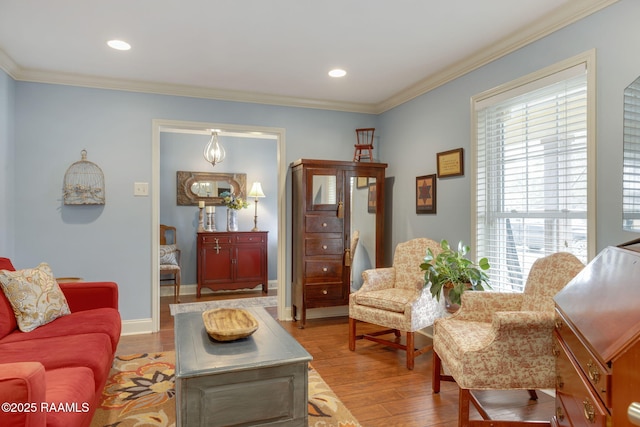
[272, 51]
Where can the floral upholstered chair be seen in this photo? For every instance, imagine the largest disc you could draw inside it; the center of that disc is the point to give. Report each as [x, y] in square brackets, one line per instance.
[170, 270]
[503, 341]
[396, 299]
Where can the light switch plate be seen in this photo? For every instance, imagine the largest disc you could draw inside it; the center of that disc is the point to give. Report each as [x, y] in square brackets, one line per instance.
[140, 188]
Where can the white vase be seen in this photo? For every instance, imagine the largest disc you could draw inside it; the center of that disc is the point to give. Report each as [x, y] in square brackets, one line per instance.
[232, 219]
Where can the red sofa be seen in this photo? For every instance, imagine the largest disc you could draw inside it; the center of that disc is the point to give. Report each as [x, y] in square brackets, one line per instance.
[54, 375]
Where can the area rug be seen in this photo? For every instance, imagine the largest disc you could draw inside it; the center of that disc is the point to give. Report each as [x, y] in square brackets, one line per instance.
[230, 303]
[140, 391]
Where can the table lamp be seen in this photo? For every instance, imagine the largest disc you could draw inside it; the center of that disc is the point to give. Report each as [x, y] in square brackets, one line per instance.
[256, 191]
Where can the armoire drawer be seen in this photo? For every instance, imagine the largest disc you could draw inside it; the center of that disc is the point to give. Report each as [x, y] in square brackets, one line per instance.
[598, 376]
[328, 269]
[575, 397]
[320, 291]
[313, 247]
[323, 224]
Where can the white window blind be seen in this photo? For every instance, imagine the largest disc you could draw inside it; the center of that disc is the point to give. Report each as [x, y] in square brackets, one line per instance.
[631, 160]
[531, 175]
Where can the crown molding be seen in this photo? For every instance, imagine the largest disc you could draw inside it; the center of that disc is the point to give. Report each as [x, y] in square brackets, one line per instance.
[71, 79]
[8, 65]
[568, 14]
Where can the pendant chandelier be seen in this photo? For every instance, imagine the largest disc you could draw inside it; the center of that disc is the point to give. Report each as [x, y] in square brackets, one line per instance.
[214, 152]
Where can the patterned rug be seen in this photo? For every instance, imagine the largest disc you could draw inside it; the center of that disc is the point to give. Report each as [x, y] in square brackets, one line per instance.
[227, 303]
[140, 392]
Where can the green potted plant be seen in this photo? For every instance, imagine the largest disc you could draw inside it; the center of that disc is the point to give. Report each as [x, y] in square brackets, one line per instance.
[451, 272]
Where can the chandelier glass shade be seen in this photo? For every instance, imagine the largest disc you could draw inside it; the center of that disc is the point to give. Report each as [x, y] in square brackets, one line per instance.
[214, 152]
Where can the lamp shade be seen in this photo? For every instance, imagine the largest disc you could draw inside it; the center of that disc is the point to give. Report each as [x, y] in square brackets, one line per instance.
[256, 190]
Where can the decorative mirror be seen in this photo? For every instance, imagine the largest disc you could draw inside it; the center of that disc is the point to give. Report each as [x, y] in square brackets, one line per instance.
[193, 187]
[631, 158]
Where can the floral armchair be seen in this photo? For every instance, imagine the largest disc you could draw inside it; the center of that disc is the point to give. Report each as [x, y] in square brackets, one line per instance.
[503, 341]
[395, 298]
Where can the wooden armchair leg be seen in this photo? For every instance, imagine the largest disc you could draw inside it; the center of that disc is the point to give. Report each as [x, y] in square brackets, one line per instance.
[410, 350]
[463, 407]
[437, 369]
[352, 334]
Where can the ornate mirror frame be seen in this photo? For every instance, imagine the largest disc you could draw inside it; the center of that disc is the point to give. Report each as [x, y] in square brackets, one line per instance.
[236, 183]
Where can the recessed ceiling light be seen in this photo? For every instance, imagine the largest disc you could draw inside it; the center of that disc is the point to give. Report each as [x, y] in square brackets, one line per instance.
[119, 44]
[337, 73]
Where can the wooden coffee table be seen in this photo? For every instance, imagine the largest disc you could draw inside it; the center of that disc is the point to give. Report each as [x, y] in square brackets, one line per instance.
[259, 380]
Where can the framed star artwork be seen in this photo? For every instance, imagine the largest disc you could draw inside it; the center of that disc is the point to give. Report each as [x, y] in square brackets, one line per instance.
[426, 194]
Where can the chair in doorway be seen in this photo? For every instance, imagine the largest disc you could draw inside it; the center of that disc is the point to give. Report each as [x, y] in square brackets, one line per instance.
[170, 260]
[395, 298]
[503, 341]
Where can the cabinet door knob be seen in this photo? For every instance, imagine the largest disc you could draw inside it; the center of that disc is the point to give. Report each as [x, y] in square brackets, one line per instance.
[325, 269]
[324, 224]
[324, 247]
[324, 292]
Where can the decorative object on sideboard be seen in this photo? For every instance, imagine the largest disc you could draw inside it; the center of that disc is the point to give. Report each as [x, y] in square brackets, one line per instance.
[214, 152]
[211, 218]
[201, 216]
[83, 183]
[256, 192]
[234, 204]
[451, 163]
[195, 187]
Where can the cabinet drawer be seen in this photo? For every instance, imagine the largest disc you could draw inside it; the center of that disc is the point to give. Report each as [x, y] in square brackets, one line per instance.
[249, 238]
[322, 224]
[323, 247]
[319, 291]
[216, 238]
[329, 269]
[598, 376]
[575, 398]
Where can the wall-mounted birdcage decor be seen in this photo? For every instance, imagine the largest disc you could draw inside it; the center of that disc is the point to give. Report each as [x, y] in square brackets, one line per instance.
[83, 183]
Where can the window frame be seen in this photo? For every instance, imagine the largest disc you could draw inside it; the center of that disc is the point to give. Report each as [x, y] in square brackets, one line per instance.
[522, 86]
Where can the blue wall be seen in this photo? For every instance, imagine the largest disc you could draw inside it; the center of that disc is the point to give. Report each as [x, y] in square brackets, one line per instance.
[440, 120]
[49, 124]
[53, 123]
[7, 150]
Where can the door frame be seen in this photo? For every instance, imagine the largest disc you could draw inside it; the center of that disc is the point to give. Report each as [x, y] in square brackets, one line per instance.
[179, 126]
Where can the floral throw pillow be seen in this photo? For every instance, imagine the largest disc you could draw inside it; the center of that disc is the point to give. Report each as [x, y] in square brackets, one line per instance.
[168, 255]
[34, 295]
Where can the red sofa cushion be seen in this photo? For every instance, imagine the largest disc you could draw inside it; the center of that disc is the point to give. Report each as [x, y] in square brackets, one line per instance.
[22, 383]
[90, 350]
[99, 320]
[7, 318]
[75, 386]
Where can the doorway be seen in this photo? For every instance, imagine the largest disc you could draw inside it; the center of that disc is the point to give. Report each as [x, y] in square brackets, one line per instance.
[255, 132]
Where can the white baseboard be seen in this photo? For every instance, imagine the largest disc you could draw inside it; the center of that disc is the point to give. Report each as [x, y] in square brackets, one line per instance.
[192, 289]
[139, 326]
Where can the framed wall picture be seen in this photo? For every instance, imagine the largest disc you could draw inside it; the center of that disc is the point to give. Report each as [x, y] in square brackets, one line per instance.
[426, 194]
[362, 181]
[451, 163]
[371, 205]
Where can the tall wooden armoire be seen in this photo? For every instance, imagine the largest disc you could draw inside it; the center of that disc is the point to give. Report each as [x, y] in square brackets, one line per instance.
[597, 341]
[333, 202]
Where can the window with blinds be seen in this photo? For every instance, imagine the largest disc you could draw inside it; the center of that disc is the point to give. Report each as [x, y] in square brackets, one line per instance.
[631, 159]
[531, 173]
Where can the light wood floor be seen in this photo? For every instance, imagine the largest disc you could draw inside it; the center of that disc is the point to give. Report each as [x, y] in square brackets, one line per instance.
[373, 382]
